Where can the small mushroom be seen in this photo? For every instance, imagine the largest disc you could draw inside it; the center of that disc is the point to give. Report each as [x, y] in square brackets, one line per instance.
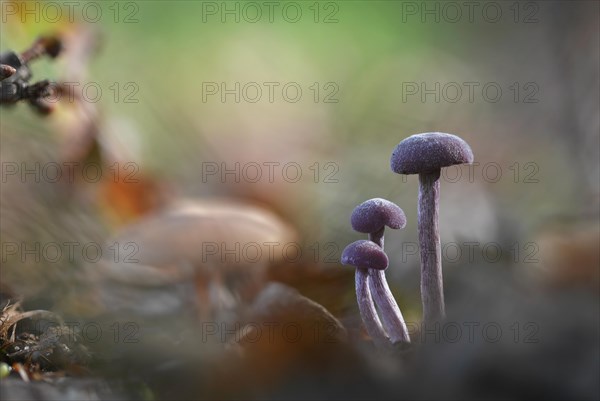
[426, 154]
[366, 255]
[371, 217]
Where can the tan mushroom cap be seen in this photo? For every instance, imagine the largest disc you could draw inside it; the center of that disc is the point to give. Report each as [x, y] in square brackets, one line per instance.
[204, 233]
[191, 241]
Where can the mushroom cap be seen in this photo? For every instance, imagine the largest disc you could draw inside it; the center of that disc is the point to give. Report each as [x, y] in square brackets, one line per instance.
[429, 152]
[151, 266]
[178, 235]
[374, 214]
[365, 254]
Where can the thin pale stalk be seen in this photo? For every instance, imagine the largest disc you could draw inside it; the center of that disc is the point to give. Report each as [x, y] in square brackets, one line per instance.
[432, 286]
[392, 318]
[367, 308]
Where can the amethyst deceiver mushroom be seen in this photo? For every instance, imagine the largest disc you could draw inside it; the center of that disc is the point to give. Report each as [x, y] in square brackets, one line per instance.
[371, 217]
[365, 255]
[426, 154]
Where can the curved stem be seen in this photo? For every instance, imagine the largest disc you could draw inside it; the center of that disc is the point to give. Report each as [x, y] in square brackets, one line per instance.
[367, 308]
[393, 321]
[392, 318]
[432, 286]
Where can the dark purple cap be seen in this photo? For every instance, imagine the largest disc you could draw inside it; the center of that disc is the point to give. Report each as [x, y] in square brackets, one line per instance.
[374, 214]
[365, 254]
[424, 153]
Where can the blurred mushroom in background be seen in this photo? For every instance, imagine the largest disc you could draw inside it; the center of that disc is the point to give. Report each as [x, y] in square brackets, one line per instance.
[220, 248]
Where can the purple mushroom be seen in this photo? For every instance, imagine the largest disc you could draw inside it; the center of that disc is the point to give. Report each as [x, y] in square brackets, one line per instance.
[365, 255]
[426, 154]
[371, 217]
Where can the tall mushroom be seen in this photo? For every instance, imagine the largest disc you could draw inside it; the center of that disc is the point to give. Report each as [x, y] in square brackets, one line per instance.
[365, 255]
[371, 217]
[426, 154]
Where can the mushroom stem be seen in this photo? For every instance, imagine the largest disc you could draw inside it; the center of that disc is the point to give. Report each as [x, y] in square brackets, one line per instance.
[393, 321]
[367, 308]
[432, 286]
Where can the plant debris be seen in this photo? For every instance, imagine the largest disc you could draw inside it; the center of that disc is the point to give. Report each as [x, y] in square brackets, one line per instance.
[37, 345]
